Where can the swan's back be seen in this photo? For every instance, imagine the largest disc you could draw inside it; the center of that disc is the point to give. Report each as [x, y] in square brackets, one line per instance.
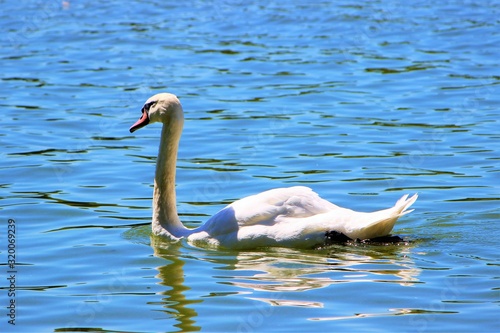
[266, 207]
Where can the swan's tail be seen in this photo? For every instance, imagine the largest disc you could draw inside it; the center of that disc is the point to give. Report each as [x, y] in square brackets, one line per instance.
[404, 203]
[380, 223]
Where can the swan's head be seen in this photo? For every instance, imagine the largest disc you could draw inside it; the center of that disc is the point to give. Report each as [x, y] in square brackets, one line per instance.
[164, 107]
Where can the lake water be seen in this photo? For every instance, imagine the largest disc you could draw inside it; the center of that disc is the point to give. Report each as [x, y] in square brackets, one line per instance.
[362, 101]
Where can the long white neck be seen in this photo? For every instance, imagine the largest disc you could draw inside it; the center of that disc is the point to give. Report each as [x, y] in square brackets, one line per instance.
[165, 221]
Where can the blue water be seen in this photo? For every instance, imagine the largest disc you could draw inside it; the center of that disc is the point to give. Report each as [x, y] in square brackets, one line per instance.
[362, 101]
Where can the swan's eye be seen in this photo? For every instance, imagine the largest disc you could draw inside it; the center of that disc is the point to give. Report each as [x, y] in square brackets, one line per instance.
[147, 106]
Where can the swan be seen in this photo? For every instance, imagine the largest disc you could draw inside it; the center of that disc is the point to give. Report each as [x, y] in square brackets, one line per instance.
[293, 217]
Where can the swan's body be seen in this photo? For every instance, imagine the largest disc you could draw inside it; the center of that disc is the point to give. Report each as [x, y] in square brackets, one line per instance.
[285, 217]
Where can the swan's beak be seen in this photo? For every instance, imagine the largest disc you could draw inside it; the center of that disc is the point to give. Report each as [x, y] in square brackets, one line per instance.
[143, 121]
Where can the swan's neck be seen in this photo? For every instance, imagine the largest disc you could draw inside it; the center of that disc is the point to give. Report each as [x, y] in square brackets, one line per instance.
[165, 219]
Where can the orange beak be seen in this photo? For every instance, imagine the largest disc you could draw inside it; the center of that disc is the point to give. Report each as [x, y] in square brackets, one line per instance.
[143, 121]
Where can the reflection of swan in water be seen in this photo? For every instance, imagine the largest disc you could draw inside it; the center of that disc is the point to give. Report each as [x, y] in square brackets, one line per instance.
[172, 275]
[279, 273]
[289, 270]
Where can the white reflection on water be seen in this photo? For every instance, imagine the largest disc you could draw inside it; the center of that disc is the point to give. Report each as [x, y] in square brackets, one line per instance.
[281, 273]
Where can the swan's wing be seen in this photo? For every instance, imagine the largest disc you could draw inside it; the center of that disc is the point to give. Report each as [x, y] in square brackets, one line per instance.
[268, 208]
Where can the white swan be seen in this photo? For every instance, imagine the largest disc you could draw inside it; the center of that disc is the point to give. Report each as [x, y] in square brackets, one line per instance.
[285, 217]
